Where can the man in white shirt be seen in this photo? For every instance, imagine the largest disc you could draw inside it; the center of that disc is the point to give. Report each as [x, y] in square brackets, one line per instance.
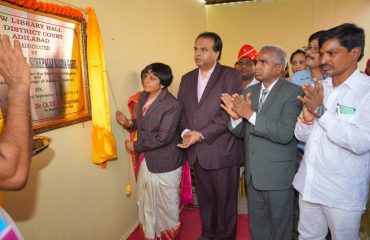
[333, 178]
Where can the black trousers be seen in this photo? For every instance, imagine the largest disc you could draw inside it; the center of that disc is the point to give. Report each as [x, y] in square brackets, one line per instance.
[217, 192]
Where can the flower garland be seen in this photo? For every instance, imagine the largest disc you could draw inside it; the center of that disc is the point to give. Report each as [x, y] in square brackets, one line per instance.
[51, 8]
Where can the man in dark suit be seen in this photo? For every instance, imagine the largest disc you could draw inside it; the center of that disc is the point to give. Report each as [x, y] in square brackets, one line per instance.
[266, 118]
[213, 151]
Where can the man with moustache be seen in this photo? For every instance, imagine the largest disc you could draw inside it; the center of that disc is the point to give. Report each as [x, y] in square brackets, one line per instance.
[333, 178]
[265, 117]
[246, 60]
[307, 76]
[312, 61]
[300, 78]
[211, 149]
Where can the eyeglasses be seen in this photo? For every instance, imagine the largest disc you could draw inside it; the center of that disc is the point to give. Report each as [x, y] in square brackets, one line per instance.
[312, 49]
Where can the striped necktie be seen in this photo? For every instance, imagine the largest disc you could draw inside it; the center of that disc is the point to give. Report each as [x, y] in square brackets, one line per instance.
[262, 99]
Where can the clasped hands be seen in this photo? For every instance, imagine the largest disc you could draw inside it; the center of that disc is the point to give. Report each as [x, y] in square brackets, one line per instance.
[190, 138]
[312, 99]
[237, 106]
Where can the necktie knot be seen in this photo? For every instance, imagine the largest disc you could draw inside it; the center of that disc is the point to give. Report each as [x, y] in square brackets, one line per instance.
[264, 92]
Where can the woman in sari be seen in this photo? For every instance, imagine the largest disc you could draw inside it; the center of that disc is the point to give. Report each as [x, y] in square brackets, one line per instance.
[159, 177]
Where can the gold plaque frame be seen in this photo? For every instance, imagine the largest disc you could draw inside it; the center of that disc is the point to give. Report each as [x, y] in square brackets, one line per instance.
[55, 48]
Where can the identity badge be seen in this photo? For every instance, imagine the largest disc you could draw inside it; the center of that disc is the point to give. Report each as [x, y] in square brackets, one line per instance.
[345, 110]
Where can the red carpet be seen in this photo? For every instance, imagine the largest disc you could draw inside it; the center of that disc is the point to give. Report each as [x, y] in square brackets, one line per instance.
[191, 226]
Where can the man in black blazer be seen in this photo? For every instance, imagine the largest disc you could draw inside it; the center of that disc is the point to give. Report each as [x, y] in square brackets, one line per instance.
[213, 151]
[265, 117]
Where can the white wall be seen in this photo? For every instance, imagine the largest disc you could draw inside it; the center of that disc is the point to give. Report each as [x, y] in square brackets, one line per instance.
[287, 23]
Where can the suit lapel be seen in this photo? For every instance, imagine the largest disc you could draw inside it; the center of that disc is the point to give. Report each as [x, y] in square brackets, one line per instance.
[193, 88]
[154, 105]
[143, 97]
[211, 82]
[255, 96]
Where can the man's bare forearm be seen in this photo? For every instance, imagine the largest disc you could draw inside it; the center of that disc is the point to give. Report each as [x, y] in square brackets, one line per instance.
[15, 146]
[15, 140]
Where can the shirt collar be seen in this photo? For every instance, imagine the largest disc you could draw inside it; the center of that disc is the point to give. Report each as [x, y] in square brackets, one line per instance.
[208, 73]
[351, 82]
[253, 82]
[270, 87]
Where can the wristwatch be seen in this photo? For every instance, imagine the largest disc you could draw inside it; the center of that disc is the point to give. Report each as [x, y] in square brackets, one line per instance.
[319, 111]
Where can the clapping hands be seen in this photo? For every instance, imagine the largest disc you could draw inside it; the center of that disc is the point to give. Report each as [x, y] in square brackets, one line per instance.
[190, 138]
[312, 99]
[237, 106]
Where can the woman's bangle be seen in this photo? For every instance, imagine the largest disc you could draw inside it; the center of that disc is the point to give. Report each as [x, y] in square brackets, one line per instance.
[301, 119]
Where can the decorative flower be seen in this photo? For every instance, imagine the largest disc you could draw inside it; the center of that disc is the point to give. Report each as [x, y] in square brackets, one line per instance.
[20, 2]
[51, 8]
[42, 6]
[27, 3]
[35, 5]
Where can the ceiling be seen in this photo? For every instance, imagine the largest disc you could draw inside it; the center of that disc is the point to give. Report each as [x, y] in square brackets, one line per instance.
[209, 2]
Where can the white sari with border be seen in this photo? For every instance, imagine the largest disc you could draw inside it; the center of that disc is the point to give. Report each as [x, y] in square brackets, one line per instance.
[159, 201]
